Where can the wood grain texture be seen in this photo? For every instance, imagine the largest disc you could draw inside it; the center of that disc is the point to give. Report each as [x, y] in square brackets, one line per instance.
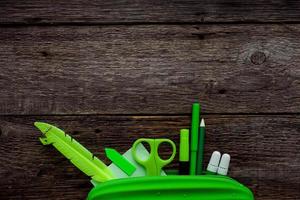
[95, 11]
[150, 69]
[264, 150]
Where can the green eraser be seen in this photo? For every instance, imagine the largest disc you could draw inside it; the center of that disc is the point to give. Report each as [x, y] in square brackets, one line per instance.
[184, 146]
[120, 161]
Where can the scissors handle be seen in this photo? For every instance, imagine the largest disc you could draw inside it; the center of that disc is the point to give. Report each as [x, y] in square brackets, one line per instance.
[134, 151]
[159, 160]
[153, 163]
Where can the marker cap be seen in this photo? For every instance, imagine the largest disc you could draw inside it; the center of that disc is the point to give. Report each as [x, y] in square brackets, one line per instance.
[184, 145]
[214, 162]
[224, 164]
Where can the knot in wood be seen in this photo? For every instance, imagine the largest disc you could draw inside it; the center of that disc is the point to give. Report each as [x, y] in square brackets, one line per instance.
[258, 58]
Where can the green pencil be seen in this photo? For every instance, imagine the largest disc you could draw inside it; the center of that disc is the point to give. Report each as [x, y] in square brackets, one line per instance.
[194, 137]
[201, 140]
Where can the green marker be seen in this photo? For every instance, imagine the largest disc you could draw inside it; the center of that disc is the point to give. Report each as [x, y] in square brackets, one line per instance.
[120, 161]
[184, 153]
[201, 139]
[194, 137]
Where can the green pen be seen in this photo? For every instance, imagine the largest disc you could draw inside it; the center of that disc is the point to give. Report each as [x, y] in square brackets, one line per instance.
[201, 139]
[194, 137]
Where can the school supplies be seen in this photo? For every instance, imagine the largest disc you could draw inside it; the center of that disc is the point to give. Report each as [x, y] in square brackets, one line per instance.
[153, 164]
[120, 161]
[224, 164]
[184, 148]
[214, 161]
[138, 174]
[201, 139]
[75, 152]
[194, 137]
[142, 153]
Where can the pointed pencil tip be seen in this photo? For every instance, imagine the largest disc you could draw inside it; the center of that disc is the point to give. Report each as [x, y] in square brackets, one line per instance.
[202, 124]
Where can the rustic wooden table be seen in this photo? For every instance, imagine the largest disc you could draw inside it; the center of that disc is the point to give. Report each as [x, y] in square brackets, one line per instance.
[109, 72]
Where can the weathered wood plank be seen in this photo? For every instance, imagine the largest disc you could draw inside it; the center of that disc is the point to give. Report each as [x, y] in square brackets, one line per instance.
[150, 69]
[264, 150]
[95, 11]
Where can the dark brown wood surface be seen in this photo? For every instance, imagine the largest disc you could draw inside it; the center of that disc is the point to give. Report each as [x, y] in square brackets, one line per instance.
[264, 150]
[110, 72]
[158, 69]
[193, 11]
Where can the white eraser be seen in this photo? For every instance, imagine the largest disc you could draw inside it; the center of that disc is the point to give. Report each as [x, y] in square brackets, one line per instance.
[214, 162]
[224, 164]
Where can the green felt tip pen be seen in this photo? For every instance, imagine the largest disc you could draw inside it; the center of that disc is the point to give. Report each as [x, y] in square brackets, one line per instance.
[194, 137]
[201, 140]
[184, 148]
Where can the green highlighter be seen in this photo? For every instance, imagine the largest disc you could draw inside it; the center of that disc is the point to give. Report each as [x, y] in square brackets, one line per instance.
[184, 148]
[194, 137]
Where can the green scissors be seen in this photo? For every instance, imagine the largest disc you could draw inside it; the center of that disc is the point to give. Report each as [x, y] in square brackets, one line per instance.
[154, 163]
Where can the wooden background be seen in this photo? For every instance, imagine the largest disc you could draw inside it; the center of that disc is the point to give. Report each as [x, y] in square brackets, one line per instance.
[108, 72]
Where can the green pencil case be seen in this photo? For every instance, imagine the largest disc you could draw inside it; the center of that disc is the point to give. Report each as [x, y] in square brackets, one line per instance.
[206, 187]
